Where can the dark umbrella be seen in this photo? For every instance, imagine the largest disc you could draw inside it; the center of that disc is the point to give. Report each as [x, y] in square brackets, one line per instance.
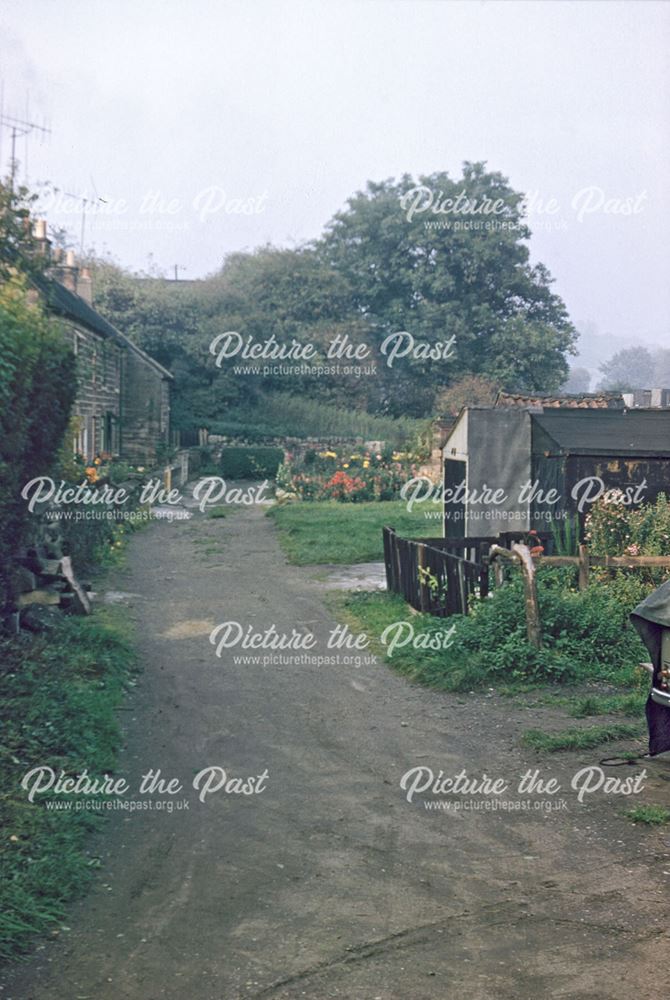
[652, 618]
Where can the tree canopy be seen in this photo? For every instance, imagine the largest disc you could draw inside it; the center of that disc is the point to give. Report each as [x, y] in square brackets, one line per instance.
[442, 261]
[637, 368]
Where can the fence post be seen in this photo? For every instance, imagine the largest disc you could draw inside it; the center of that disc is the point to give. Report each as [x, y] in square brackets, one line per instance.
[387, 559]
[533, 628]
[521, 553]
[484, 574]
[424, 600]
[398, 565]
[583, 567]
[462, 589]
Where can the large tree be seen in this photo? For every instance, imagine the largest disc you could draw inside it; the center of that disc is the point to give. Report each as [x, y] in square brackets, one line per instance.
[637, 368]
[385, 265]
[271, 292]
[441, 257]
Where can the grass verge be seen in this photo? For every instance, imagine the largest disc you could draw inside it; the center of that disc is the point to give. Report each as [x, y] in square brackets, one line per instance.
[587, 706]
[580, 739]
[58, 698]
[331, 532]
[489, 646]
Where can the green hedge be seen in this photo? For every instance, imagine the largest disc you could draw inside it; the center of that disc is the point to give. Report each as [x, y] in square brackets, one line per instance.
[37, 388]
[251, 463]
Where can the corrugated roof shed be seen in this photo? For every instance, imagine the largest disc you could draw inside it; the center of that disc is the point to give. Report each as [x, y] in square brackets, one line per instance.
[607, 432]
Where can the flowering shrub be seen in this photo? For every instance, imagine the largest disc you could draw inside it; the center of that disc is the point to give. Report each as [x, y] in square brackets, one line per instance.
[345, 477]
[102, 470]
[613, 529]
[344, 487]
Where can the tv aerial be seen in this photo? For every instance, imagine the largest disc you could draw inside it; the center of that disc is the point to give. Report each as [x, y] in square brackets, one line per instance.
[18, 127]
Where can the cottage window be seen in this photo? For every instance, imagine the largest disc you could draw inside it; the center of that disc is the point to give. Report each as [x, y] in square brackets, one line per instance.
[110, 434]
[93, 451]
[80, 441]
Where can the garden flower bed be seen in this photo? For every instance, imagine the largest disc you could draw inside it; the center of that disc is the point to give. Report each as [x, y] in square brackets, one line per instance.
[346, 476]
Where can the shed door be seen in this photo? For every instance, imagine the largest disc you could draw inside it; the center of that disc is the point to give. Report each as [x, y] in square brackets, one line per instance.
[454, 513]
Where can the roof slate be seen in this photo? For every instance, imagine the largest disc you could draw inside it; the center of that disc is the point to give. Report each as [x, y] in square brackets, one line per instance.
[608, 432]
[578, 401]
[64, 302]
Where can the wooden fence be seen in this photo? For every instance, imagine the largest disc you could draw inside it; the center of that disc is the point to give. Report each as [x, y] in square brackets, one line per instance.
[440, 575]
[524, 557]
[585, 561]
[436, 575]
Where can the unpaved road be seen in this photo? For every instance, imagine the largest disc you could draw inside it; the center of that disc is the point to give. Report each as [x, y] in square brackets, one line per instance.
[329, 883]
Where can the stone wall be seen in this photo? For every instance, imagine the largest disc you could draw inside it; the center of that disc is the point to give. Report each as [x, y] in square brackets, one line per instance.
[97, 405]
[145, 409]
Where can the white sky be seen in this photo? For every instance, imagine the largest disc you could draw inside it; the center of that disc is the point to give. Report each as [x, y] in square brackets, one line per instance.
[297, 105]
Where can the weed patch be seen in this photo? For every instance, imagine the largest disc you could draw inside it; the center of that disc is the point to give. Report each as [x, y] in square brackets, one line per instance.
[650, 815]
[58, 699]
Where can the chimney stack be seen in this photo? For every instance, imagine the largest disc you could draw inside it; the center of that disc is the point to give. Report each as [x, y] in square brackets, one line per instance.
[85, 285]
[67, 272]
[41, 241]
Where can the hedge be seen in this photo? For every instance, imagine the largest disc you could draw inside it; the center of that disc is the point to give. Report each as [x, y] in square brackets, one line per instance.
[37, 389]
[251, 463]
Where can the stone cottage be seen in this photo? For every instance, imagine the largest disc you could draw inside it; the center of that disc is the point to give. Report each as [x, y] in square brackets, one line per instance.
[122, 407]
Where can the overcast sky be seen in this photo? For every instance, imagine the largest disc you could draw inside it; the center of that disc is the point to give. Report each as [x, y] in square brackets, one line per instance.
[286, 108]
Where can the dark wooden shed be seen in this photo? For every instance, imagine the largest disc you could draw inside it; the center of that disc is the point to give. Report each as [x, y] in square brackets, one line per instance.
[514, 469]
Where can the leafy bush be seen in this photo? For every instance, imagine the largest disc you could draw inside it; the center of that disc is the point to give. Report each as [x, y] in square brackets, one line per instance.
[584, 635]
[613, 529]
[37, 388]
[583, 632]
[251, 463]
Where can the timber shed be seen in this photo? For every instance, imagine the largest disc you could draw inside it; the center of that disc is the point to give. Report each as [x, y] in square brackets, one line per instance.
[514, 469]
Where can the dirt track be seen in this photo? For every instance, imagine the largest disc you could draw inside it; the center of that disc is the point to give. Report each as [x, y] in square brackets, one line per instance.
[329, 883]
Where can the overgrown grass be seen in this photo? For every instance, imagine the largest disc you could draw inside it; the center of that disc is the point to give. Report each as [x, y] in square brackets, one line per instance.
[580, 739]
[332, 532]
[58, 698]
[650, 815]
[586, 636]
